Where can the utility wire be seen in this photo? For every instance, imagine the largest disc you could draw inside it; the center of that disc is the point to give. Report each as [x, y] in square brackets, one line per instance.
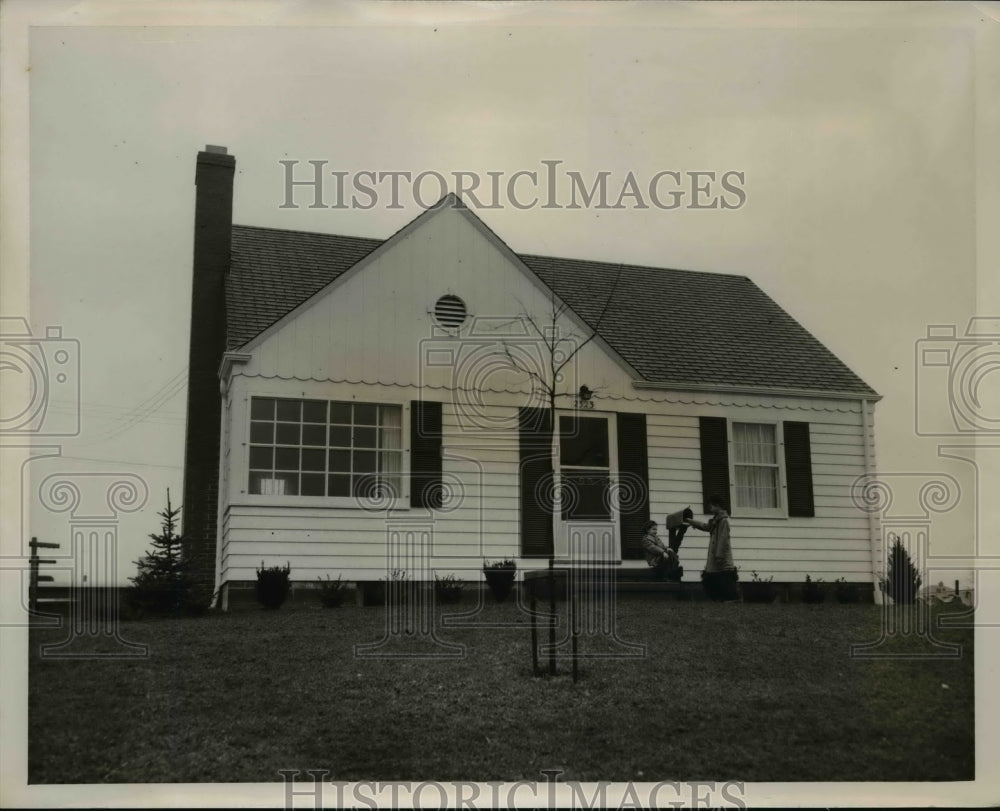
[145, 409]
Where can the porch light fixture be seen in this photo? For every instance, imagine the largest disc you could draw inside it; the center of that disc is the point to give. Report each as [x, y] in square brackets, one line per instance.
[585, 397]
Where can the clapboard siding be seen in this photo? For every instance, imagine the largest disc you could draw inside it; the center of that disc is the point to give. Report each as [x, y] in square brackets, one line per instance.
[317, 541]
[835, 543]
[455, 528]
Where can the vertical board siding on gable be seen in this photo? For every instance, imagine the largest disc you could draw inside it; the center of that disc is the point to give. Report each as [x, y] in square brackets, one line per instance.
[375, 324]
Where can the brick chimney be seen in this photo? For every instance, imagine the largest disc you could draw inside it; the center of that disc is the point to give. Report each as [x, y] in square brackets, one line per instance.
[213, 225]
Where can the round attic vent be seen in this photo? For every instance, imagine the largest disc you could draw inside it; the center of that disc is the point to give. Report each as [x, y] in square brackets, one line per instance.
[450, 311]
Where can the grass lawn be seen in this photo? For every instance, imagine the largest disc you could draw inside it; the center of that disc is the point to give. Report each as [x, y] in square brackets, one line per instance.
[725, 691]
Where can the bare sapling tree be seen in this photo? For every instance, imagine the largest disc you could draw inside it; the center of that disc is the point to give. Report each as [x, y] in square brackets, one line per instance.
[559, 343]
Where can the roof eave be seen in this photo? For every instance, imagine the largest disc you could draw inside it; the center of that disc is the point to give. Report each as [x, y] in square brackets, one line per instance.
[783, 391]
[230, 359]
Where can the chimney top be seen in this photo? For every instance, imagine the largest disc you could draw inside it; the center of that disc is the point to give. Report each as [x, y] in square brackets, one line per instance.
[216, 156]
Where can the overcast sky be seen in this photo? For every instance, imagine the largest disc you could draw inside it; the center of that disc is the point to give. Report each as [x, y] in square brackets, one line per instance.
[856, 147]
[865, 135]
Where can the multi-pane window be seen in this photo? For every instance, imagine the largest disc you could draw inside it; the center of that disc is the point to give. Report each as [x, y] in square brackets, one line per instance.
[755, 465]
[323, 448]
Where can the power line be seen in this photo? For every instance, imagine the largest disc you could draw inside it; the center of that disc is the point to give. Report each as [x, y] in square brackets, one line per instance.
[141, 417]
[118, 461]
[145, 409]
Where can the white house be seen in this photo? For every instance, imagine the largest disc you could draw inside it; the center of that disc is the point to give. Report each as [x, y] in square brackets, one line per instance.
[358, 405]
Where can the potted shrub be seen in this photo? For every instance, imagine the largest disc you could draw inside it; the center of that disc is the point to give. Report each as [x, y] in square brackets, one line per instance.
[500, 577]
[372, 592]
[331, 592]
[813, 591]
[273, 585]
[448, 589]
[847, 592]
[758, 590]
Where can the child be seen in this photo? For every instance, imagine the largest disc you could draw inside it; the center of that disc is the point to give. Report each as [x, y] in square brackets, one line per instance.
[659, 556]
[720, 576]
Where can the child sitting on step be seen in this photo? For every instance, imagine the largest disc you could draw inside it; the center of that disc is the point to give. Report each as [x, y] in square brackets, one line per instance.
[663, 560]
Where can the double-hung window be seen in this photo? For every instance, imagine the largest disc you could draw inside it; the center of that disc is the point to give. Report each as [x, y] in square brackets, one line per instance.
[761, 469]
[756, 469]
[324, 448]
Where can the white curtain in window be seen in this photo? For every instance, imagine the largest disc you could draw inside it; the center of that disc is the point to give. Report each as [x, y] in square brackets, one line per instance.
[756, 487]
[391, 445]
[755, 457]
[753, 444]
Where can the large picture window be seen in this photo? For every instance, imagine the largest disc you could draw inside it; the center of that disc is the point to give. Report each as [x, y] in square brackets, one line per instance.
[324, 448]
[755, 465]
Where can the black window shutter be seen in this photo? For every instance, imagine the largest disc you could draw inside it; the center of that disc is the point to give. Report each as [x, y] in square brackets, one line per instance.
[425, 454]
[714, 461]
[798, 470]
[633, 471]
[535, 481]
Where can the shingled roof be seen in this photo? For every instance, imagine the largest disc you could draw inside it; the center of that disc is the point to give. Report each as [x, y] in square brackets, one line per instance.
[671, 326]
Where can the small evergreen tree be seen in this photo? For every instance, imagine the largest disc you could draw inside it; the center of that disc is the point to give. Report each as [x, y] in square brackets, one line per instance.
[902, 580]
[163, 584]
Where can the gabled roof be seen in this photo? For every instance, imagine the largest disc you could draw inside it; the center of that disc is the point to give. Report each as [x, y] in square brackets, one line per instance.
[672, 326]
[272, 271]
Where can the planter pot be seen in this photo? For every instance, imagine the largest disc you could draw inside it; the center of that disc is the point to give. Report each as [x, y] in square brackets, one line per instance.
[500, 581]
[813, 592]
[272, 590]
[758, 592]
[372, 592]
[721, 586]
